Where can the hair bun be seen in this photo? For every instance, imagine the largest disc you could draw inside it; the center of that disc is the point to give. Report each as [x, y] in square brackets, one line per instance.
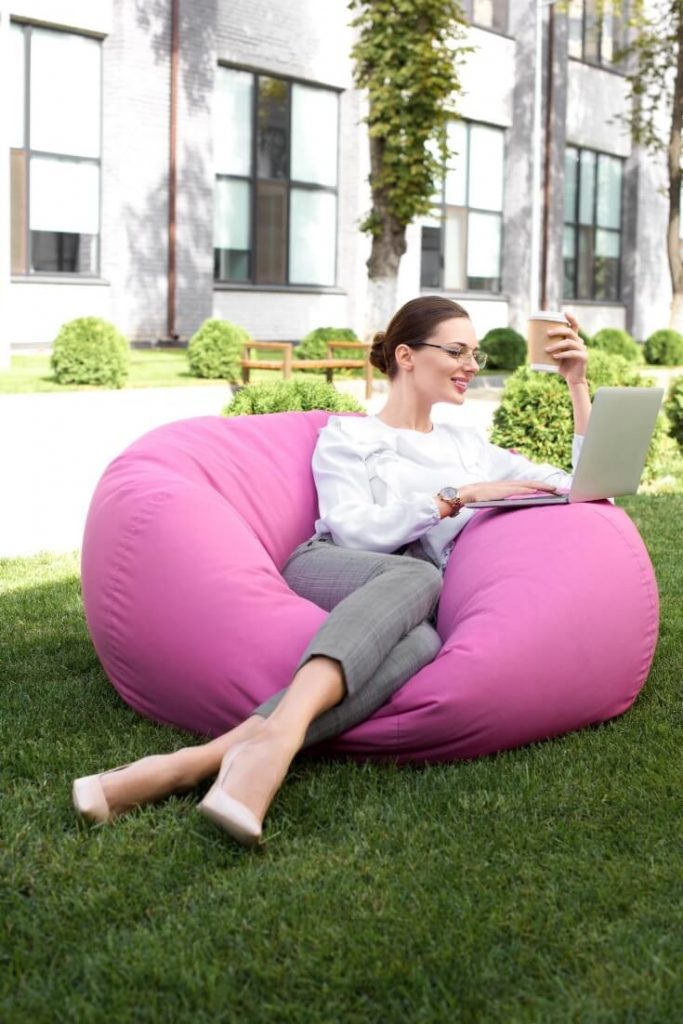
[378, 352]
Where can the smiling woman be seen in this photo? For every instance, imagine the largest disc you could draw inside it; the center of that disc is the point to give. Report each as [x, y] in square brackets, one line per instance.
[392, 493]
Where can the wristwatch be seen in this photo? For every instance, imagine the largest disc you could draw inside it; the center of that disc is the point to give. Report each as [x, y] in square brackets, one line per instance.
[452, 497]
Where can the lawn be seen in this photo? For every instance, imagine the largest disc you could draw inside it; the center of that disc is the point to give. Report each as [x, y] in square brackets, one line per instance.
[540, 885]
[149, 368]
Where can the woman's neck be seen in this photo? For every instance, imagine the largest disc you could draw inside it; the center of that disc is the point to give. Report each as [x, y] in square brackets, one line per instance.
[407, 413]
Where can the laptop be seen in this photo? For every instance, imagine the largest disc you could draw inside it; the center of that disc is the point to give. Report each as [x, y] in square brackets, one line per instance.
[613, 453]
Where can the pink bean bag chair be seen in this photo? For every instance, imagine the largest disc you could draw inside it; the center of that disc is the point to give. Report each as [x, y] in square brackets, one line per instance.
[548, 616]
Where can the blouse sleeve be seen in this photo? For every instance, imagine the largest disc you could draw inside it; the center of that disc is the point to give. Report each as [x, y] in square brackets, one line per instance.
[505, 465]
[348, 510]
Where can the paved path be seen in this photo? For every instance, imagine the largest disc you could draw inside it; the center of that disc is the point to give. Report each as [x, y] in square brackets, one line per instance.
[54, 448]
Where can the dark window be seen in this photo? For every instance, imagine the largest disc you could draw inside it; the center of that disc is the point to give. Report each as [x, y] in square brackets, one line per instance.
[55, 151]
[487, 13]
[461, 242]
[275, 204]
[596, 31]
[592, 225]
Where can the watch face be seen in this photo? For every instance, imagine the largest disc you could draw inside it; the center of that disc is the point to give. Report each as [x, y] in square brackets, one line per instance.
[448, 493]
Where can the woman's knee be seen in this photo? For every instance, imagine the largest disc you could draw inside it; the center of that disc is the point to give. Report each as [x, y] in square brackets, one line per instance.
[423, 574]
[425, 643]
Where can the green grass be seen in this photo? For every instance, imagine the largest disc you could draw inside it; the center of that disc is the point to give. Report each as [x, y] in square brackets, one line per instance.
[149, 368]
[541, 885]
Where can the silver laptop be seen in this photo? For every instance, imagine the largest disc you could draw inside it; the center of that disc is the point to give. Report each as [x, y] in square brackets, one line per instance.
[613, 453]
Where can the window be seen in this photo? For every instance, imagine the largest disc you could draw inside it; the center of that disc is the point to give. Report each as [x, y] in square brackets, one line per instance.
[487, 13]
[275, 209]
[596, 32]
[461, 244]
[592, 229]
[55, 152]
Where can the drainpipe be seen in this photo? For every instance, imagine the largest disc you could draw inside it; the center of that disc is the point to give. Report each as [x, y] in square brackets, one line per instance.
[547, 169]
[172, 176]
[4, 189]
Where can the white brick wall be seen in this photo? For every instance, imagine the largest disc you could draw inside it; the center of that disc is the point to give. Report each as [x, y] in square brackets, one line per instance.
[135, 167]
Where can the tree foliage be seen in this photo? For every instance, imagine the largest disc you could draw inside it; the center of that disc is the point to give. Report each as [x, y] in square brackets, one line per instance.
[406, 56]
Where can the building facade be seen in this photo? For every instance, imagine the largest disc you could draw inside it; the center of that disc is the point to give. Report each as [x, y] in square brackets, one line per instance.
[174, 160]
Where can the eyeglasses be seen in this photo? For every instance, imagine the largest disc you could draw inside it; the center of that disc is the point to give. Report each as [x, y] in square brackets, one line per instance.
[460, 354]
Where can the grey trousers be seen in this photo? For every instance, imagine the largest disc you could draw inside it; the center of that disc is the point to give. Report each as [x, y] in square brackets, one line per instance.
[377, 629]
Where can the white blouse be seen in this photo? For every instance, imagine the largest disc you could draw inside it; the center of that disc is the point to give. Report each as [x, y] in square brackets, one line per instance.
[376, 484]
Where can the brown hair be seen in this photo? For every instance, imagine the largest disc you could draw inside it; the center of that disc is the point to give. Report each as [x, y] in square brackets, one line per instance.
[415, 321]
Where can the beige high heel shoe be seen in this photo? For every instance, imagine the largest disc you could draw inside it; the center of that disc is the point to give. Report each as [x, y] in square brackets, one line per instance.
[89, 799]
[228, 813]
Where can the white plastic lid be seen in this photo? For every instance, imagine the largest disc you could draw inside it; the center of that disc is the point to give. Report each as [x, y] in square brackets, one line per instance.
[558, 318]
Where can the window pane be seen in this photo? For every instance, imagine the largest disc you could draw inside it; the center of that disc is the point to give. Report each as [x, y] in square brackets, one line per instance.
[607, 248]
[65, 93]
[430, 266]
[231, 228]
[271, 232]
[63, 252]
[312, 237]
[569, 261]
[18, 211]
[455, 247]
[607, 243]
[587, 178]
[609, 192]
[571, 167]
[315, 114]
[591, 38]
[607, 41]
[17, 94]
[575, 15]
[456, 172]
[482, 12]
[483, 251]
[273, 128]
[65, 195]
[490, 14]
[486, 168]
[584, 288]
[232, 121]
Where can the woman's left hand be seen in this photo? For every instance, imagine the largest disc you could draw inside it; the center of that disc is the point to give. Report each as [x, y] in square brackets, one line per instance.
[566, 346]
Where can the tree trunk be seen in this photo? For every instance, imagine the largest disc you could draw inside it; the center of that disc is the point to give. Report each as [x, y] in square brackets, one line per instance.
[388, 245]
[674, 159]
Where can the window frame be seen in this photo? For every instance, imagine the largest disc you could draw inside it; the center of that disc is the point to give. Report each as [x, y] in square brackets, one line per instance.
[576, 225]
[28, 153]
[253, 179]
[615, 67]
[443, 207]
[468, 11]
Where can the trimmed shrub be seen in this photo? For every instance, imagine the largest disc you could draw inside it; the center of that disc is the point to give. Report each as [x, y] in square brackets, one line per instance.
[535, 414]
[664, 348]
[290, 396]
[585, 338]
[616, 342]
[314, 345]
[215, 350]
[673, 407]
[90, 350]
[505, 348]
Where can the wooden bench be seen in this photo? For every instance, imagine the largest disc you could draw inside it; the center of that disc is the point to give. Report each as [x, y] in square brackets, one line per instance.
[287, 363]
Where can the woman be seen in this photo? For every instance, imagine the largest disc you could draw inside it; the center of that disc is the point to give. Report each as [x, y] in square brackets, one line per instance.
[393, 491]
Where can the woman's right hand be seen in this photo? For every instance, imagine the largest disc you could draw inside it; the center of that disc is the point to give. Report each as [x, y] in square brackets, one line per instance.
[502, 489]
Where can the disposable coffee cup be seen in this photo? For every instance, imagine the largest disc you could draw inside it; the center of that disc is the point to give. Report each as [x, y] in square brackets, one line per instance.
[539, 325]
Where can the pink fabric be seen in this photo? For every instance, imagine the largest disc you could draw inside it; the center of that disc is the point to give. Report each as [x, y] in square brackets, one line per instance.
[549, 616]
